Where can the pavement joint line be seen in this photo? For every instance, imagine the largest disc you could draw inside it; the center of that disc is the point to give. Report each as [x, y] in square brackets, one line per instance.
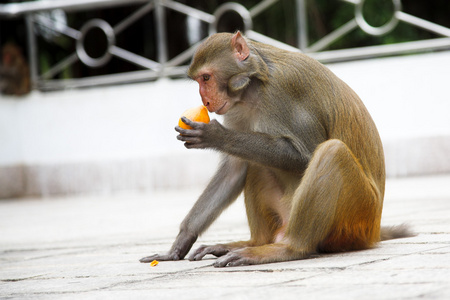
[23, 279]
[434, 249]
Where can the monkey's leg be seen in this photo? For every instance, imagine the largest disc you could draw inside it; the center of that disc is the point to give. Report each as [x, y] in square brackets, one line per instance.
[335, 208]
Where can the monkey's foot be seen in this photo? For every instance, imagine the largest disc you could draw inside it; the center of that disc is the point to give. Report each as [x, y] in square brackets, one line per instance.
[216, 250]
[179, 249]
[219, 249]
[259, 255]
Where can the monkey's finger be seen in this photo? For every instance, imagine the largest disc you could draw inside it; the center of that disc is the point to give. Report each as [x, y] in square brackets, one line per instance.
[190, 137]
[217, 251]
[227, 259]
[193, 124]
[199, 253]
[193, 145]
[165, 257]
[182, 130]
[148, 259]
[187, 121]
[187, 132]
[193, 141]
[243, 261]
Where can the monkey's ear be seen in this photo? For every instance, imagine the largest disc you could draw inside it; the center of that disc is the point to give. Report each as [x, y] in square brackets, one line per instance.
[241, 50]
[238, 82]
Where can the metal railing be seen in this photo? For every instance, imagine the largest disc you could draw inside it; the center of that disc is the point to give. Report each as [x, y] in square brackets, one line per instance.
[163, 66]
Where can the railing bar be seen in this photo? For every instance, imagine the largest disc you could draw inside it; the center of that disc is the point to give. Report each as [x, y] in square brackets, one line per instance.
[32, 54]
[189, 11]
[133, 17]
[333, 36]
[60, 66]
[166, 67]
[265, 39]
[110, 79]
[15, 9]
[70, 32]
[427, 25]
[134, 58]
[92, 81]
[381, 50]
[96, 80]
[100, 80]
[184, 55]
[260, 7]
[161, 32]
[302, 25]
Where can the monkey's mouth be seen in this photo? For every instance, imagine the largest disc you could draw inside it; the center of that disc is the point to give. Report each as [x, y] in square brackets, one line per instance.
[222, 110]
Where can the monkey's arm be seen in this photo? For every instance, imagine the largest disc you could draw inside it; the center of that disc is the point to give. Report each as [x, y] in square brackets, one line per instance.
[282, 152]
[222, 190]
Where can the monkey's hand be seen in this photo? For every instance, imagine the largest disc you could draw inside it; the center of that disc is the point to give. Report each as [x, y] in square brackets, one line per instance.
[160, 257]
[180, 248]
[201, 135]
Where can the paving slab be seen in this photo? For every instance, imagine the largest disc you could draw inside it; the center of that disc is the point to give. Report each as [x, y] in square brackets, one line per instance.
[88, 247]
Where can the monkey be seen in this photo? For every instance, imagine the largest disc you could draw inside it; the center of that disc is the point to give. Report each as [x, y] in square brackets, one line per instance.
[297, 141]
[14, 71]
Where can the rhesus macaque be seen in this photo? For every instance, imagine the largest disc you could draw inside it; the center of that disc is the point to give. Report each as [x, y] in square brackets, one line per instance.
[300, 144]
[14, 71]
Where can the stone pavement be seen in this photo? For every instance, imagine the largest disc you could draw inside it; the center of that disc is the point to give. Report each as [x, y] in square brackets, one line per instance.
[88, 247]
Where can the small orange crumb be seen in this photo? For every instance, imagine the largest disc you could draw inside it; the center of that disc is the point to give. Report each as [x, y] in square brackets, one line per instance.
[154, 263]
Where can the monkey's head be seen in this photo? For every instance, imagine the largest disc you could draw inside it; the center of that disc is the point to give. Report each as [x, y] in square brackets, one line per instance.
[223, 70]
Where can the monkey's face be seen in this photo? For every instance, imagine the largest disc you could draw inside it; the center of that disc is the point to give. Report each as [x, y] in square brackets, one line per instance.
[213, 92]
[218, 68]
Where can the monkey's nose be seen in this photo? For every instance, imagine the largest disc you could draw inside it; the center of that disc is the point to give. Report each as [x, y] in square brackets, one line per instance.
[205, 102]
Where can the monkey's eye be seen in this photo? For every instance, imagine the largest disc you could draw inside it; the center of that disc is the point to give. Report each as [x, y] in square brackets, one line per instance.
[206, 77]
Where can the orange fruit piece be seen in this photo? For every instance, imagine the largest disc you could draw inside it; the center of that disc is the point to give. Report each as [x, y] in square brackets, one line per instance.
[196, 114]
[154, 263]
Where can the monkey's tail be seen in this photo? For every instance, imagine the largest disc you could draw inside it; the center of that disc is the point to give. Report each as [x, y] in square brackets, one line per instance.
[396, 232]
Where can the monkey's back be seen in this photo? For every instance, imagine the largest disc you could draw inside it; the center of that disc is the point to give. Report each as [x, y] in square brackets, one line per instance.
[330, 102]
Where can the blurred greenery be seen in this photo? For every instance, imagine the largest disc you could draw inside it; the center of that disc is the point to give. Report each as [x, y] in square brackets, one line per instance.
[325, 16]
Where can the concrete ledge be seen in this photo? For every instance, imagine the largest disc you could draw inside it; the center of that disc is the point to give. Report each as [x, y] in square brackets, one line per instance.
[12, 181]
[170, 171]
[417, 155]
[405, 156]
